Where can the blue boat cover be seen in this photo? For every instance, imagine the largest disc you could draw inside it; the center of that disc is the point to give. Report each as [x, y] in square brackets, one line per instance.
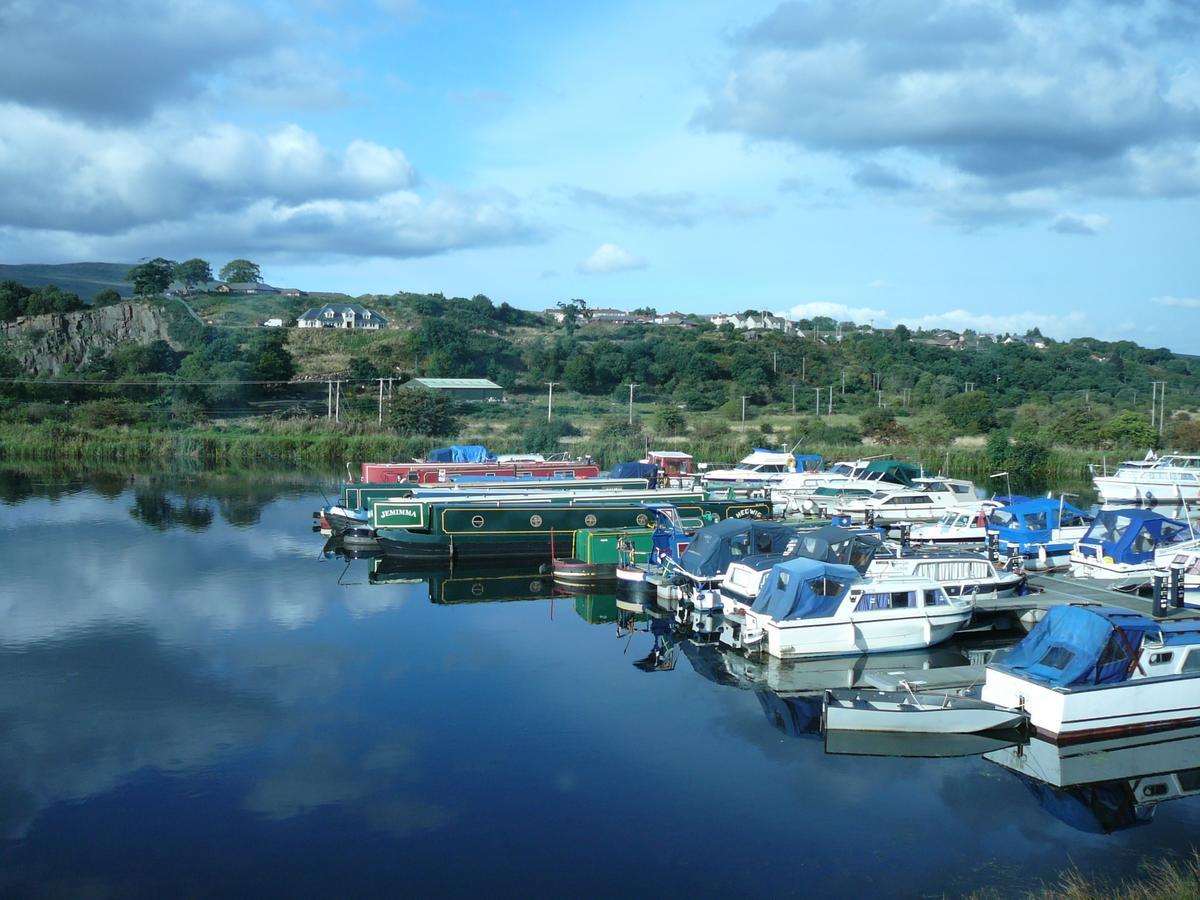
[1079, 645]
[466, 453]
[1132, 535]
[649, 471]
[1099, 808]
[715, 546]
[804, 589]
[794, 716]
[809, 462]
[1033, 521]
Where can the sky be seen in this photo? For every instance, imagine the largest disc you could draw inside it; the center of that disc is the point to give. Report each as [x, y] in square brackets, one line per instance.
[993, 164]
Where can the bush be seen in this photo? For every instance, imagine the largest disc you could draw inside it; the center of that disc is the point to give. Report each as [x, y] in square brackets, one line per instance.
[710, 429]
[669, 420]
[972, 412]
[543, 437]
[417, 411]
[107, 414]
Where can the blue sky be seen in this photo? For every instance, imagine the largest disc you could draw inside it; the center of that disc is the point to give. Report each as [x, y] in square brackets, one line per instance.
[997, 164]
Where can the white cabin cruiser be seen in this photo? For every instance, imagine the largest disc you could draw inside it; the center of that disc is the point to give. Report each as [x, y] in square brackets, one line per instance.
[959, 573]
[1125, 546]
[1173, 478]
[1091, 671]
[762, 467]
[814, 492]
[967, 524]
[926, 501]
[809, 608]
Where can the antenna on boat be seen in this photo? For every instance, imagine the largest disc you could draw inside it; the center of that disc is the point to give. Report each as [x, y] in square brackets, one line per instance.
[1007, 482]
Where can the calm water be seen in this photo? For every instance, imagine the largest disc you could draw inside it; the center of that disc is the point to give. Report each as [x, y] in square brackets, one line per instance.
[195, 700]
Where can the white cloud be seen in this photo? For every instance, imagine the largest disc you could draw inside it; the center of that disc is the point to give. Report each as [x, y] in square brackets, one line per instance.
[609, 258]
[1078, 223]
[839, 311]
[1064, 326]
[1177, 302]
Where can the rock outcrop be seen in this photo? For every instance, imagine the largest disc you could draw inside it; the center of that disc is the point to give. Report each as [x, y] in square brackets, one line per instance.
[46, 345]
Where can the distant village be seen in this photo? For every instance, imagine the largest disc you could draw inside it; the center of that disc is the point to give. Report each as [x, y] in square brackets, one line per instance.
[357, 316]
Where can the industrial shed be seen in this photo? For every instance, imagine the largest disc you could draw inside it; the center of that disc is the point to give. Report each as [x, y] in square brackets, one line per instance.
[460, 388]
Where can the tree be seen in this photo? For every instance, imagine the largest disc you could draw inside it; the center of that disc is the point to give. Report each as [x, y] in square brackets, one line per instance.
[543, 437]
[151, 276]
[241, 270]
[106, 297]
[669, 420]
[363, 370]
[193, 272]
[270, 357]
[972, 412]
[573, 310]
[418, 411]
[1129, 429]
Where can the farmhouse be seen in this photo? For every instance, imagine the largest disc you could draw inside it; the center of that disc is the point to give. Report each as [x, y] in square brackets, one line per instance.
[342, 315]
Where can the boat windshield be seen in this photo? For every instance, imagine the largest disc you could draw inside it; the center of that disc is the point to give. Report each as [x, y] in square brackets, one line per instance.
[1002, 518]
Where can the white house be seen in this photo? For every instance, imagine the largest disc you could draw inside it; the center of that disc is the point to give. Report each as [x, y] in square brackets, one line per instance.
[755, 322]
[342, 315]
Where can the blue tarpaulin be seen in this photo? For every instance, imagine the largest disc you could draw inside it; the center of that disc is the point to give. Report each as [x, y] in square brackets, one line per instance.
[809, 462]
[1033, 521]
[1132, 535]
[649, 471]
[804, 589]
[715, 546]
[467, 453]
[1079, 645]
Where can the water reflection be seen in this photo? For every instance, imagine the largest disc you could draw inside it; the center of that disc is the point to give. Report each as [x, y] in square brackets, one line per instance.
[1106, 786]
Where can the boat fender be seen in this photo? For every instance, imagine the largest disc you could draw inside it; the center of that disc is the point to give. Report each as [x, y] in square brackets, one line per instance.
[544, 569]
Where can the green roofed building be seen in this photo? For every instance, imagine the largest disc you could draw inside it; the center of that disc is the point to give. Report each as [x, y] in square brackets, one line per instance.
[460, 388]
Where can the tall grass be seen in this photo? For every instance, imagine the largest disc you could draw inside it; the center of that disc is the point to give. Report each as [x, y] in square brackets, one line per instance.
[1159, 880]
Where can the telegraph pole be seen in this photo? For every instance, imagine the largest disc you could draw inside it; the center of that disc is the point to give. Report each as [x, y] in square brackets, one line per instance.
[804, 368]
[631, 387]
[550, 399]
[329, 408]
[337, 402]
[818, 402]
[830, 410]
[380, 402]
[775, 362]
[793, 398]
[743, 409]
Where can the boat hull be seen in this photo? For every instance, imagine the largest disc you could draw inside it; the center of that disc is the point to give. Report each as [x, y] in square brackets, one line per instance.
[1112, 490]
[578, 572]
[1094, 711]
[901, 711]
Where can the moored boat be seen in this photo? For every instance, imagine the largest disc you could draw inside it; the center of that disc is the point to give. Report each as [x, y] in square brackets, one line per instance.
[812, 608]
[1125, 546]
[1091, 671]
[1173, 478]
[1039, 533]
[916, 712]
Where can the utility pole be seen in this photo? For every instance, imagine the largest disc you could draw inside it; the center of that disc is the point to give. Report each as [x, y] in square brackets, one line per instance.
[968, 386]
[775, 362]
[830, 410]
[843, 382]
[550, 400]
[793, 398]
[1158, 405]
[818, 402]
[380, 402]
[329, 408]
[804, 368]
[743, 409]
[880, 393]
[337, 402]
[631, 387]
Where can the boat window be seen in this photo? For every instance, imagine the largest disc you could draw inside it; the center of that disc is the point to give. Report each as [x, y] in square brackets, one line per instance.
[1192, 663]
[1070, 519]
[936, 598]
[960, 488]
[1157, 659]
[903, 599]
[872, 602]
[1056, 658]
[826, 587]
[1144, 542]
[1036, 521]
[1001, 518]
[784, 578]
[919, 500]
[1114, 651]
[1189, 779]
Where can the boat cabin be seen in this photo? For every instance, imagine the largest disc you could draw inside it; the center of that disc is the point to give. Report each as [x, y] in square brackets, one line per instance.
[1131, 536]
[1035, 521]
[715, 547]
[672, 463]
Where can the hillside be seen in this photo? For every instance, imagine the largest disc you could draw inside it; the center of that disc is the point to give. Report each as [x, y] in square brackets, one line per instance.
[85, 279]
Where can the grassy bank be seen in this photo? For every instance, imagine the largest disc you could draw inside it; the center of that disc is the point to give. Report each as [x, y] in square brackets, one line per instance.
[317, 444]
[1159, 880]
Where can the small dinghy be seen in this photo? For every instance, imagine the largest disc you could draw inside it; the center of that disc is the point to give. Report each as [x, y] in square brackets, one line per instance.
[914, 712]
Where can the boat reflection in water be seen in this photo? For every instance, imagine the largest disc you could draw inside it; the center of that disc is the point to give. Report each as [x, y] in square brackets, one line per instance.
[491, 585]
[1110, 785]
[923, 746]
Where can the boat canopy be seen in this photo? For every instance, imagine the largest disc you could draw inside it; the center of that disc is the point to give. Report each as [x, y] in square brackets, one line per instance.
[804, 588]
[893, 470]
[1077, 645]
[1132, 535]
[715, 546]
[649, 471]
[839, 545]
[1099, 808]
[1034, 520]
[461, 453]
[809, 462]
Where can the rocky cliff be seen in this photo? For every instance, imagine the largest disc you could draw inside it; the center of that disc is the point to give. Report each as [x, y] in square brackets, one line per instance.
[46, 345]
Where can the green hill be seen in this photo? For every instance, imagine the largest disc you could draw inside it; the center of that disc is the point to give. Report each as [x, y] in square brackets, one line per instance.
[85, 279]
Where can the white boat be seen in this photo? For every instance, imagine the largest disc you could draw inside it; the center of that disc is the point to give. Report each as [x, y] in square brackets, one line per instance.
[960, 525]
[1125, 546]
[1171, 479]
[959, 572]
[814, 492]
[926, 501]
[862, 709]
[811, 608]
[1085, 672]
[762, 467]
